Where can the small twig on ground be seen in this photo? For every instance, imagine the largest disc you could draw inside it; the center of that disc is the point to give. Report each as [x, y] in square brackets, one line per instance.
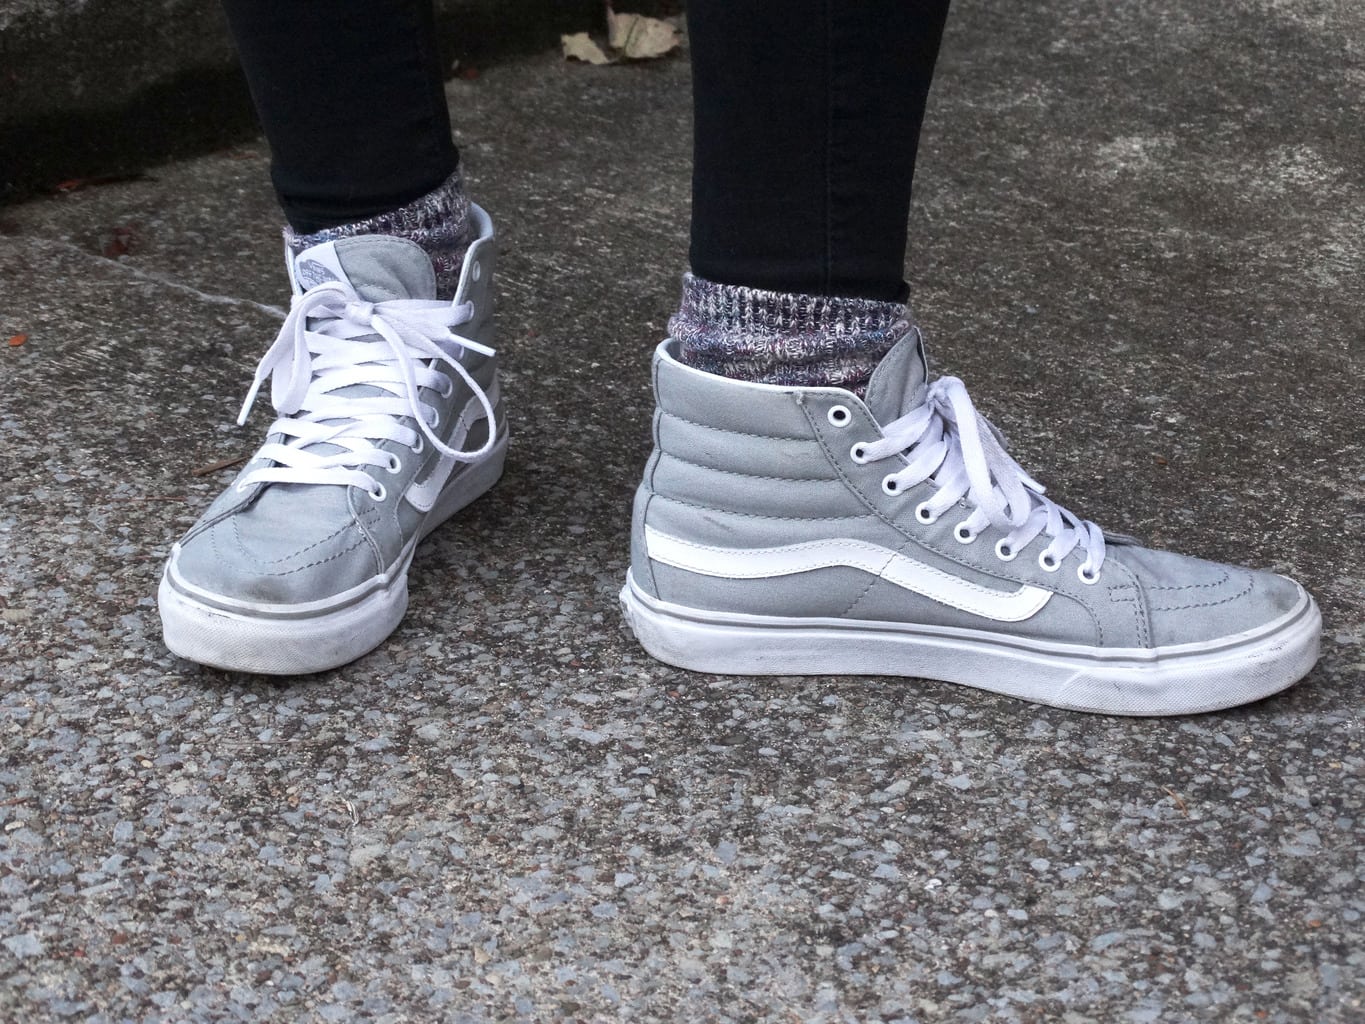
[214, 467]
[1175, 798]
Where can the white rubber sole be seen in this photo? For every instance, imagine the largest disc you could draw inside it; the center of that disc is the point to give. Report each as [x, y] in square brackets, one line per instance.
[300, 639]
[1179, 680]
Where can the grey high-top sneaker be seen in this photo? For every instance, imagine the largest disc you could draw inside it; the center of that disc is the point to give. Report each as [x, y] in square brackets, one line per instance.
[389, 422]
[802, 531]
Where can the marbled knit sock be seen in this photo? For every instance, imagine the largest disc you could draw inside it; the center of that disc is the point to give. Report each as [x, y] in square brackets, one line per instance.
[786, 339]
[439, 222]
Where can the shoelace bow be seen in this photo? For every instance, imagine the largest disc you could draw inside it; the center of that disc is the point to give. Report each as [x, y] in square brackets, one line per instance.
[947, 441]
[307, 365]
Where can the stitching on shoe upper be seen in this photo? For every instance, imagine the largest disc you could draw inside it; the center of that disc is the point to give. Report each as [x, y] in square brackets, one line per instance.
[1250, 586]
[1135, 599]
[651, 467]
[759, 515]
[736, 433]
[926, 544]
[870, 566]
[649, 562]
[366, 522]
[871, 583]
[1042, 585]
[203, 525]
[753, 476]
[321, 561]
[1196, 586]
[391, 509]
[237, 536]
[847, 612]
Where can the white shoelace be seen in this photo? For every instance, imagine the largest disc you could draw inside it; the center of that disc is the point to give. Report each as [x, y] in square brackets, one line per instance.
[306, 365]
[947, 441]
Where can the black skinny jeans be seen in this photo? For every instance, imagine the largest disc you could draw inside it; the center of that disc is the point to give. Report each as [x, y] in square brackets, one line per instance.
[807, 121]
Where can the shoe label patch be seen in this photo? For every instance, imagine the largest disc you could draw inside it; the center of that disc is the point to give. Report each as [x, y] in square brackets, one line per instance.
[316, 265]
[895, 568]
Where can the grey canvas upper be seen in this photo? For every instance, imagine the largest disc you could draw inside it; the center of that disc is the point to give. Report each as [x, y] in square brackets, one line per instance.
[293, 543]
[740, 466]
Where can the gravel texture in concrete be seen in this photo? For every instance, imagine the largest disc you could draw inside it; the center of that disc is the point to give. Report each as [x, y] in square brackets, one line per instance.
[1138, 237]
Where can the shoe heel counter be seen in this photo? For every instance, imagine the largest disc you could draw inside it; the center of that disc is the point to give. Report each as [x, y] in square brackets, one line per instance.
[476, 277]
[487, 250]
[641, 568]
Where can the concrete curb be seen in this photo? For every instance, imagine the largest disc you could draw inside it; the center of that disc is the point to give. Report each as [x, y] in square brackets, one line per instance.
[93, 88]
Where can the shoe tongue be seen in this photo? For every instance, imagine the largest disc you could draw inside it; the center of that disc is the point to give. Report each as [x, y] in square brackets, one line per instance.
[900, 381]
[380, 268]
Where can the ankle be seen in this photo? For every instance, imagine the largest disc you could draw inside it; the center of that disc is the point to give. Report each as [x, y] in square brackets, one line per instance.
[439, 222]
[784, 338]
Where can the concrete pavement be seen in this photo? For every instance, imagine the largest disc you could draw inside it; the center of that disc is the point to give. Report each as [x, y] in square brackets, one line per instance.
[1137, 236]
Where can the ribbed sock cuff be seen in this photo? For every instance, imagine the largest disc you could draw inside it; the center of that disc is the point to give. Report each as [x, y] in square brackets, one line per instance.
[439, 222]
[786, 339]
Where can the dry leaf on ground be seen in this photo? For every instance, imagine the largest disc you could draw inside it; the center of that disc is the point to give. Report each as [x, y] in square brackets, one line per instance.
[17, 339]
[120, 243]
[580, 46]
[639, 37]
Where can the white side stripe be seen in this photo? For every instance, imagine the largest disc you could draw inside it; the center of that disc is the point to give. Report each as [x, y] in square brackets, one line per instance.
[422, 494]
[760, 563]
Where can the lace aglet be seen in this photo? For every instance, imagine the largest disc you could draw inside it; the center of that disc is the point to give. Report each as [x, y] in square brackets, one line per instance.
[250, 401]
[469, 345]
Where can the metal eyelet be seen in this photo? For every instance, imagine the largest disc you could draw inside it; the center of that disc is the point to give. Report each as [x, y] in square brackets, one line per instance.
[475, 270]
[1004, 552]
[395, 464]
[858, 453]
[1086, 577]
[839, 415]
[924, 514]
[420, 446]
[379, 493]
[962, 534]
[890, 486]
[1047, 562]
